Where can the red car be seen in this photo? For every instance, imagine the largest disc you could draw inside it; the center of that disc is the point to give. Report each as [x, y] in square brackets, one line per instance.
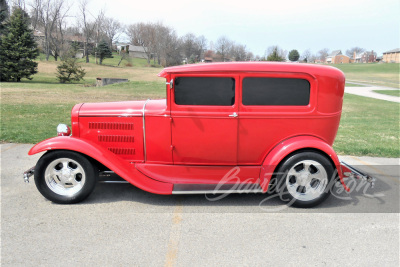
[225, 127]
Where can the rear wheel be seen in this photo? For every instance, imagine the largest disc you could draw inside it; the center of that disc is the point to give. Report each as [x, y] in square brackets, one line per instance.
[64, 177]
[304, 179]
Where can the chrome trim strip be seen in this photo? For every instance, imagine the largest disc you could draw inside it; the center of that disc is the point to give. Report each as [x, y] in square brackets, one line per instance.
[114, 182]
[144, 130]
[217, 192]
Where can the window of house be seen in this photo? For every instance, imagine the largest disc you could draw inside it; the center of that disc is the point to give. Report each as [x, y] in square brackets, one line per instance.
[212, 91]
[275, 91]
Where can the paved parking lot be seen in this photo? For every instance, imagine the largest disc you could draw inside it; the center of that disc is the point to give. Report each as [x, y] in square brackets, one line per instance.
[120, 225]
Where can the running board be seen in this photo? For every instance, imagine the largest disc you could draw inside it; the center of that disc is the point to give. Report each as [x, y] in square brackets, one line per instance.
[216, 188]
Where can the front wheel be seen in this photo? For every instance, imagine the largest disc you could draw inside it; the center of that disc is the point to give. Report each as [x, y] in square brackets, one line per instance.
[305, 178]
[64, 177]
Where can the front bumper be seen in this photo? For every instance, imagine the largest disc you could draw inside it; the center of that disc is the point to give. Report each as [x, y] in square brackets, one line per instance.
[28, 174]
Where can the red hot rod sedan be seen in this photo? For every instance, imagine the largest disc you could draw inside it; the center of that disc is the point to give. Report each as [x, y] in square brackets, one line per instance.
[225, 127]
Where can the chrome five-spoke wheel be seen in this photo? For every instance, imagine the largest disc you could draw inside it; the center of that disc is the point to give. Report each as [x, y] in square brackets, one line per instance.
[305, 177]
[306, 180]
[65, 176]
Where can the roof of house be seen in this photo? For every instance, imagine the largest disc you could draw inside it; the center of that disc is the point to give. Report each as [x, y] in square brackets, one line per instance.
[335, 53]
[396, 50]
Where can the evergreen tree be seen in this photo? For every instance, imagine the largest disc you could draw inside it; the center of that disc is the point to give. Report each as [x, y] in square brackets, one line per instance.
[3, 16]
[103, 51]
[69, 70]
[294, 55]
[18, 49]
[274, 56]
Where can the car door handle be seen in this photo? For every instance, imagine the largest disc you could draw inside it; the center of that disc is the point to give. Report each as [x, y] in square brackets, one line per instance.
[233, 115]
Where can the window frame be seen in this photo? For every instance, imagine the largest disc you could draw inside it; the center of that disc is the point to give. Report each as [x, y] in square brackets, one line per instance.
[288, 109]
[213, 109]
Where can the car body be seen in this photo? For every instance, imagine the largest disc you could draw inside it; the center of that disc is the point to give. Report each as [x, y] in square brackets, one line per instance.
[249, 120]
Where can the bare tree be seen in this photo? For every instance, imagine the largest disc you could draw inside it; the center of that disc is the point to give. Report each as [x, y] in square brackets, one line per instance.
[141, 34]
[201, 43]
[306, 56]
[239, 52]
[249, 56]
[223, 47]
[350, 52]
[189, 45]
[323, 54]
[49, 16]
[112, 28]
[90, 26]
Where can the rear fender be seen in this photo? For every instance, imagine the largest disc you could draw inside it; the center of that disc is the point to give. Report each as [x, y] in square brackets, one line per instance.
[122, 168]
[285, 148]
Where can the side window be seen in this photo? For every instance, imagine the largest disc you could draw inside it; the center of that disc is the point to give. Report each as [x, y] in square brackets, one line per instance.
[212, 91]
[275, 91]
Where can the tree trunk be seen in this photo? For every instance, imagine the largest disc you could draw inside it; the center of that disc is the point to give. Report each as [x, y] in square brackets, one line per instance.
[86, 51]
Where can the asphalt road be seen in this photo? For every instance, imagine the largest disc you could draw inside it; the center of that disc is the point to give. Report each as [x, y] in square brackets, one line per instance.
[120, 225]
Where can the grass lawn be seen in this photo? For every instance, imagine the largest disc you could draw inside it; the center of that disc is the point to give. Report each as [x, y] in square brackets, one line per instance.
[368, 127]
[388, 92]
[385, 74]
[31, 110]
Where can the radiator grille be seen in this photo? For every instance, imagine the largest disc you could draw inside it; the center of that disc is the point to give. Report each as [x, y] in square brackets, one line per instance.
[116, 138]
[111, 125]
[122, 151]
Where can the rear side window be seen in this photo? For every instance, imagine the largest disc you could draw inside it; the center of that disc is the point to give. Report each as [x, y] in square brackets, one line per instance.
[212, 91]
[275, 91]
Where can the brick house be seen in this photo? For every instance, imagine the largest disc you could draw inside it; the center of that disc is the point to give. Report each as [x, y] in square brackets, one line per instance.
[392, 56]
[364, 57]
[331, 57]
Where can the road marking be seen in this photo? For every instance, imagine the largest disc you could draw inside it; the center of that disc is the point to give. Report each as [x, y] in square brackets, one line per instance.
[174, 236]
[8, 148]
[377, 170]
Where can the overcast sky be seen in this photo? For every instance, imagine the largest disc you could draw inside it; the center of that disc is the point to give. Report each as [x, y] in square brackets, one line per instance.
[291, 24]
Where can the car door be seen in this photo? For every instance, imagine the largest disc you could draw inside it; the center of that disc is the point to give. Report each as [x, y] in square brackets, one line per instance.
[204, 119]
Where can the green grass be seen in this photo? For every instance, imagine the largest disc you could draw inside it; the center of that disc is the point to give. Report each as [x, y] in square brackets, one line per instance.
[385, 74]
[368, 127]
[388, 92]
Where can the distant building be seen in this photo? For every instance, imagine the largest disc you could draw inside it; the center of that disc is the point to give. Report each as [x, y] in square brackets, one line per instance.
[392, 56]
[208, 59]
[331, 58]
[341, 59]
[364, 57]
[137, 51]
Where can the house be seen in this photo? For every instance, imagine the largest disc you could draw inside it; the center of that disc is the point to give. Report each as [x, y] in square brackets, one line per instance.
[331, 57]
[208, 59]
[137, 51]
[121, 47]
[364, 57]
[392, 56]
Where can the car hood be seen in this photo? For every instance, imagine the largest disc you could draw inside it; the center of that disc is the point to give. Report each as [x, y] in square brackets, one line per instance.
[121, 109]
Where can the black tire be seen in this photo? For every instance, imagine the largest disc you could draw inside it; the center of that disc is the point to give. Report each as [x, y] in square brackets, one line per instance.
[304, 179]
[65, 177]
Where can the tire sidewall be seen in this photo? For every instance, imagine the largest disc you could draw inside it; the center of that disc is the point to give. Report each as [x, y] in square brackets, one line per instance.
[39, 177]
[292, 161]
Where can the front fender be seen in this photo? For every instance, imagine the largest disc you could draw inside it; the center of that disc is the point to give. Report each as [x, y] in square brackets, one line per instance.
[122, 168]
[283, 149]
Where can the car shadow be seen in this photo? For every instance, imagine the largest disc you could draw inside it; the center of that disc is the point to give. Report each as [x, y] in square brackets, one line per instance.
[384, 197]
